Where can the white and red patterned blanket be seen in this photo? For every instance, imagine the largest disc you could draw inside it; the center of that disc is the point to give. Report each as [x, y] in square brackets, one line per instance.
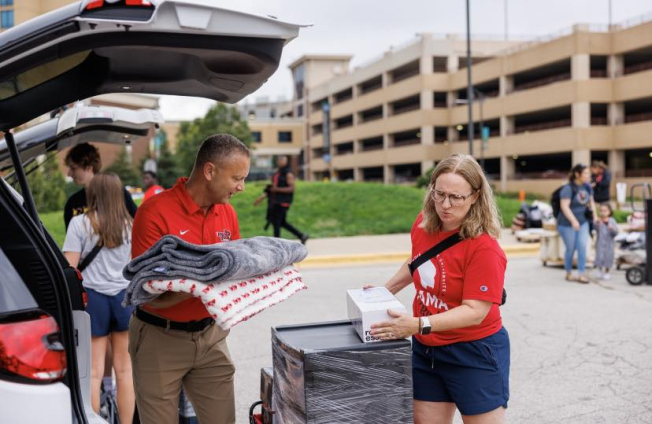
[231, 302]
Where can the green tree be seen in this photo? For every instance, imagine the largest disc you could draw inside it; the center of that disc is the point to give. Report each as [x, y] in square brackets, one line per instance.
[124, 169]
[167, 168]
[424, 179]
[219, 119]
[46, 182]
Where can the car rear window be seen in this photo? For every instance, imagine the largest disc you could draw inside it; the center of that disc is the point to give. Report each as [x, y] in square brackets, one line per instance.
[14, 295]
[40, 74]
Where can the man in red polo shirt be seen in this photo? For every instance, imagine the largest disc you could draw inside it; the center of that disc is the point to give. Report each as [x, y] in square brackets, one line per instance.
[173, 341]
[150, 184]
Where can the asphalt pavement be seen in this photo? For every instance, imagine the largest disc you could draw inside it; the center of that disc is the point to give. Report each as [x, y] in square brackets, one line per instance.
[580, 353]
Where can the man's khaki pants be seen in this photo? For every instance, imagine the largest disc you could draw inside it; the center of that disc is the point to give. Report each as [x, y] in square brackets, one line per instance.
[164, 360]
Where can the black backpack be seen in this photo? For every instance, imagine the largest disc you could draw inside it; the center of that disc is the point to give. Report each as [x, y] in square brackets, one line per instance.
[555, 200]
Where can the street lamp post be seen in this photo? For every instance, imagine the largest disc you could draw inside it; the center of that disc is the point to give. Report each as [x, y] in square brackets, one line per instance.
[481, 98]
[469, 88]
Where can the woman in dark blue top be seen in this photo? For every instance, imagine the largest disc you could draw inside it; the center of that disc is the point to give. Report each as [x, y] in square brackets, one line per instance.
[576, 204]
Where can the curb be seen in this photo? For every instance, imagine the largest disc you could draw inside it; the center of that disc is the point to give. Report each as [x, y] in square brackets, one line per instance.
[317, 261]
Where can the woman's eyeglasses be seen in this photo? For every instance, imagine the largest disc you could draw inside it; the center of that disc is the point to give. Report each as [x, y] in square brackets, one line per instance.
[453, 199]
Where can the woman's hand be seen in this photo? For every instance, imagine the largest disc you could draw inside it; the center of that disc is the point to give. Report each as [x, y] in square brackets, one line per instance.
[576, 225]
[403, 325]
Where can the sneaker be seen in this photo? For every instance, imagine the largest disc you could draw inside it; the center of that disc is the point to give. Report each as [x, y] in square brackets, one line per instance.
[606, 276]
[304, 238]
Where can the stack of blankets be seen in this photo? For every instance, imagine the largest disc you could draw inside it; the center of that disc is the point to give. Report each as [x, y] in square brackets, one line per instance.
[234, 280]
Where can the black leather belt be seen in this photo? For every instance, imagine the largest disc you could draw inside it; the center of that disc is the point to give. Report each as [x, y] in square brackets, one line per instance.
[190, 326]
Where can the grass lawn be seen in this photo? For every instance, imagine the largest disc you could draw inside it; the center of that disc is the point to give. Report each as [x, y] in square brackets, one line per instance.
[327, 210]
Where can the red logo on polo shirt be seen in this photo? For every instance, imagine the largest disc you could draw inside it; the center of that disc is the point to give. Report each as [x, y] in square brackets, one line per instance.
[224, 235]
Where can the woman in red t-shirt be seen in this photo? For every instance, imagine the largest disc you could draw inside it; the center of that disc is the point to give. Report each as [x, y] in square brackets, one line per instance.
[460, 348]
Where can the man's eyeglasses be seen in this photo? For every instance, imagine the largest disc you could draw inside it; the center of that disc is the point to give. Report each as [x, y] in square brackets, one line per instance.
[453, 199]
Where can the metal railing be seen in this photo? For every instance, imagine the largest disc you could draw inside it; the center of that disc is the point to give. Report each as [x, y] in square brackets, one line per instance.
[598, 73]
[403, 75]
[543, 126]
[633, 21]
[551, 174]
[407, 142]
[371, 117]
[371, 87]
[405, 108]
[638, 173]
[370, 147]
[542, 81]
[633, 69]
[638, 117]
[533, 42]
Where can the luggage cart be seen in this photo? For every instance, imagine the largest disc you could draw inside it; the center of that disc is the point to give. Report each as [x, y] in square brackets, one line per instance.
[253, 417]
[640, 274]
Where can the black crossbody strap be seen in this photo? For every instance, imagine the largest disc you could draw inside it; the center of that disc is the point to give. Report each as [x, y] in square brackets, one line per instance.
[434, 251]
[88, 259]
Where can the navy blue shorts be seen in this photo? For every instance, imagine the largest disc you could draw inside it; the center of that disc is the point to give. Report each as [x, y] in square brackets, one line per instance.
[107, 313]
[473, 375]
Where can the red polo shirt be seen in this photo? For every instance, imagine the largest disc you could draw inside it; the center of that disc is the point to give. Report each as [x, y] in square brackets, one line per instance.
[175, 212]
[152, 191]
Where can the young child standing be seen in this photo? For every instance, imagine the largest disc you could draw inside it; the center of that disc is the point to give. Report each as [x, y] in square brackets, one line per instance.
[606, 228]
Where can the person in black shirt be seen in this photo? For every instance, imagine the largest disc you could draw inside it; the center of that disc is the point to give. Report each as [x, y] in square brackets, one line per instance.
[280, 195]
[83, 162]
[600, 181]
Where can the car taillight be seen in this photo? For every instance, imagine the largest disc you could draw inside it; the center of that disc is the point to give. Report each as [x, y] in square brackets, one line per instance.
[143, 3]
[96, 4]
[32, 350]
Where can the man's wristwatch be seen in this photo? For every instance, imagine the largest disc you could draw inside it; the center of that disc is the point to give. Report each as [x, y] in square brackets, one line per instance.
[425, 326]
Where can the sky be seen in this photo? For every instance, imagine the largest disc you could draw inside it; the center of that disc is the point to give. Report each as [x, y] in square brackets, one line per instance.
[367, 28]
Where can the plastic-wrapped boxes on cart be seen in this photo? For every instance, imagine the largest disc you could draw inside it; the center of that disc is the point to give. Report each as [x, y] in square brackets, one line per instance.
[266, 394]
[324, 373]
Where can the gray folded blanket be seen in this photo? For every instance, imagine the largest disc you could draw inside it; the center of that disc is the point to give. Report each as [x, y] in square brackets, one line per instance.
[172, 258]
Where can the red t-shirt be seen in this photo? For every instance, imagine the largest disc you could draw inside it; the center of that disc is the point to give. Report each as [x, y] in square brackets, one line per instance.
[152, 191]
[473, 269]
[175, 212]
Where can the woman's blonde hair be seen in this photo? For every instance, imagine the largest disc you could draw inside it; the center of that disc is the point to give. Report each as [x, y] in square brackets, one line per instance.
[483, 217]
[107, 211]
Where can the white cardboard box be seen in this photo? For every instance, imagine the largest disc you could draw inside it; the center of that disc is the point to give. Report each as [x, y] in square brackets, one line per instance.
[368, 307]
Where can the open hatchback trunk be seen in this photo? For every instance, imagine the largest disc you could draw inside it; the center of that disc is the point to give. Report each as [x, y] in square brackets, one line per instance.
[166, 47]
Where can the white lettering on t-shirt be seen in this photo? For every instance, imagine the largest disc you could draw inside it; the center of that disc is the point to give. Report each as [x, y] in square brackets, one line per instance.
[430, 299]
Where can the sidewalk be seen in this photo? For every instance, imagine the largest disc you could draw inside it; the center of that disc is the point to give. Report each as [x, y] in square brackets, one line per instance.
[386, 248]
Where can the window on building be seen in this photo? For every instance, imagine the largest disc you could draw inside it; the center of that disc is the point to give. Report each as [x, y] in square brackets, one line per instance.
[300, 110]
[285, 136]
[7, 18]
[6, 2]
[257, 136]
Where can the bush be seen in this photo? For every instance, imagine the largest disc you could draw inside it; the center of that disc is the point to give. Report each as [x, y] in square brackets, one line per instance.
[124, 169]
[424, 179]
